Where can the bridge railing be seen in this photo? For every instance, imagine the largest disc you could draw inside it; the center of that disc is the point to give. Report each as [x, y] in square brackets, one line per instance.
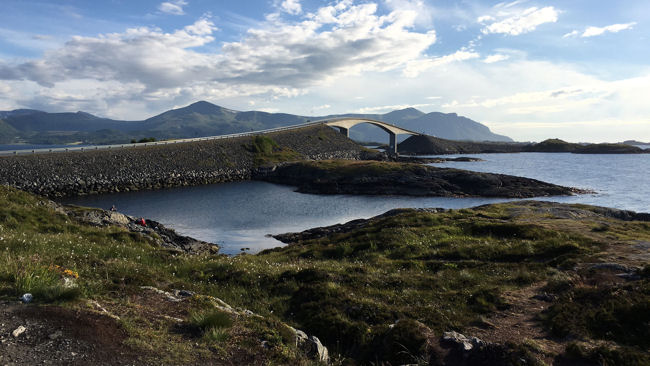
[176, 141]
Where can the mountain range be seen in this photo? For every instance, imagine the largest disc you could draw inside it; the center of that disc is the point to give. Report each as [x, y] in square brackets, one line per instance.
[207, 119]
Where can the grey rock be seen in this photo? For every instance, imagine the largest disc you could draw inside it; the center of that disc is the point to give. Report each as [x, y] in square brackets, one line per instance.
[18, 331]
[318, 350]
[184, 293]
[311, 346]
[27, 298]
[462, 342]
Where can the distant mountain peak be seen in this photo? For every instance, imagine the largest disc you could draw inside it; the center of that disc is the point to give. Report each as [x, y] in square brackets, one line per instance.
[203, 107]
[403, 114]
[408, 109]
[202, 103]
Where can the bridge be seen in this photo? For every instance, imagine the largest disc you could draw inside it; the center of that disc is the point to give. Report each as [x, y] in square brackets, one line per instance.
[343, 124]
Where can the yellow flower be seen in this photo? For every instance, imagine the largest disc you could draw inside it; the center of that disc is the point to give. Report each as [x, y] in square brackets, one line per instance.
[71, 273]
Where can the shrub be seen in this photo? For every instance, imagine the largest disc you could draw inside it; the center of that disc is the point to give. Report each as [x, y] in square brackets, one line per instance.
[212, 324]
[263, 145]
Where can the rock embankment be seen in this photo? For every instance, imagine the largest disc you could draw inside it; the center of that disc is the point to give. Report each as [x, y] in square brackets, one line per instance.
[384, 178]
[162, 166]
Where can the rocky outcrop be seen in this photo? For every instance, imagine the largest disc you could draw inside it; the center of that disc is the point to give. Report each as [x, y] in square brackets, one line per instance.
[162, 166]
[380, 178]
[429, 145]
[152, 230]
[321, 232]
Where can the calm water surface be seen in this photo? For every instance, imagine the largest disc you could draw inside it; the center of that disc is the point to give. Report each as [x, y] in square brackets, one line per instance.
[240, 215]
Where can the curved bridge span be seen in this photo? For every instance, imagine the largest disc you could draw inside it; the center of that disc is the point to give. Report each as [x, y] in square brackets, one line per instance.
[343, 124]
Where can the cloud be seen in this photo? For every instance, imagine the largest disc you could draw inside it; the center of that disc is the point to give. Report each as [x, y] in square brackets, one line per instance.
[574, 33]
[174, 7]
[388, 108]
[597, 31]
[291, 6]
[423, 10]
[278, 58]
[518, 22]
[495, 58]
[510, 4]
[416, 67]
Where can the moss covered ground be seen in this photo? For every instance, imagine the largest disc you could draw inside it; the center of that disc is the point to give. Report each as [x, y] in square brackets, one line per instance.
[435, 271]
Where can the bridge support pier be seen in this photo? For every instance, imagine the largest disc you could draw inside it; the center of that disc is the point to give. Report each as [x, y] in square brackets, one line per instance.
[392, 150]
[344, 131]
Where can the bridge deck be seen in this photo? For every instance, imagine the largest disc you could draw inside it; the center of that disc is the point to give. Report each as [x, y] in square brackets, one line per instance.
[333, 122]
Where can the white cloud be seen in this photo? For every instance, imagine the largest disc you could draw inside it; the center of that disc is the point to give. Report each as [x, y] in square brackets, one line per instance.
[388, 108]
[614, 28]
[597, 31]
[574, 33]
[495, 58]
[423, 11]
[291, 6]
[276, 59]
[511, 4]
[321, 107]
[174, 7]
[518, 22]
[416, 67]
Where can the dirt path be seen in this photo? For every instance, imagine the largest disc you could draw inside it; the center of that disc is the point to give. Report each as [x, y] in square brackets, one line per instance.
[58, 336]
[519, 323]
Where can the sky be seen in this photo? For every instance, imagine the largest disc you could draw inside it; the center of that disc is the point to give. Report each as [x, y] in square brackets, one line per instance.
[529, 69]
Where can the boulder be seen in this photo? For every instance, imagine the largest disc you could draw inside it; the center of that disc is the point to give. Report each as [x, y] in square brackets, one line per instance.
[311, 346]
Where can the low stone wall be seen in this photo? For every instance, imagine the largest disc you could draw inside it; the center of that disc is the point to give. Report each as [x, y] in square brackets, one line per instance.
[161, 166]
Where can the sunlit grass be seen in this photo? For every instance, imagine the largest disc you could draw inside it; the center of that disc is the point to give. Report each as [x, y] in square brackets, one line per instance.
[446, 270]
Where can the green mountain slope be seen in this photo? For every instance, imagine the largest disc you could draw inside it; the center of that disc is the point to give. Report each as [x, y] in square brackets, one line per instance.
[206, 119]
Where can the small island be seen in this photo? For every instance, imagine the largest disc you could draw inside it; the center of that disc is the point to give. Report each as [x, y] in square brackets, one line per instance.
[410, 179]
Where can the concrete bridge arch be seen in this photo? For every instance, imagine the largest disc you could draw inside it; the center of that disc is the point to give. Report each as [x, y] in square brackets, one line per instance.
[345, 123]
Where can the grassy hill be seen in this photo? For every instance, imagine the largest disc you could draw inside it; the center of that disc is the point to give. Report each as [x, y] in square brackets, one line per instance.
[373, 291]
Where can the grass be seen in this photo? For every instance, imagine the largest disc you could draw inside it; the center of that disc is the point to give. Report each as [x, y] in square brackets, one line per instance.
[267, 151]
[446, 271]
[619, 313]
[213, 324]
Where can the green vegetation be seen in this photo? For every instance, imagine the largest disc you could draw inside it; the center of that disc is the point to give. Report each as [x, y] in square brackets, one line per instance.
[557, 145]
[433, 272]
[268, 151]
[603, 355]
[553, 145]
[213, 324]
[615, 313]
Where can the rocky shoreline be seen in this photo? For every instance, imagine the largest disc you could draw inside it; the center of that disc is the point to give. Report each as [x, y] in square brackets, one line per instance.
[385, 178]
[163, 166]
[150, 230]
